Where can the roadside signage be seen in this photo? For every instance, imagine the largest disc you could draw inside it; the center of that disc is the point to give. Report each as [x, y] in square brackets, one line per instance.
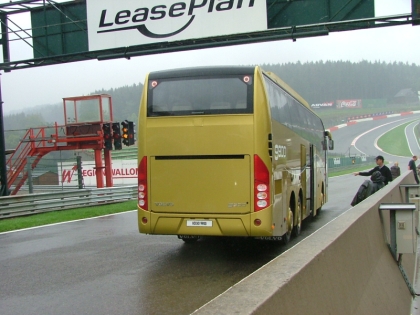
[124, 172]
[349, 104]
[123, 23]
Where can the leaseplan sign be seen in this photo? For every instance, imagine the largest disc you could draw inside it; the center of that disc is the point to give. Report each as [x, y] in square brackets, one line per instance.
[122, 23]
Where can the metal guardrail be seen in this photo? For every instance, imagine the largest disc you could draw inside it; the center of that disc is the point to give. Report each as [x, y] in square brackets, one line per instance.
[20, 205]
[51, 188]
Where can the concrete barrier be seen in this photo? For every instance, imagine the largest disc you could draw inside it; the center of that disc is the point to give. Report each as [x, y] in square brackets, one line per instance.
[345, 267]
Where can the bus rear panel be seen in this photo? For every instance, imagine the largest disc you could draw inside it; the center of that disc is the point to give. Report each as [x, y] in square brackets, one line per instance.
[206, 155]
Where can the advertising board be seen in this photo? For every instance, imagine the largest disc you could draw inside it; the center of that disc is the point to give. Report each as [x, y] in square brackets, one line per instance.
[125, 23]
[349, 104]
[124, 172]
[322, 105]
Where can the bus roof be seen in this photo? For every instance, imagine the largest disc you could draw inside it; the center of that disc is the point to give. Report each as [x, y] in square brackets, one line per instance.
[197, 71]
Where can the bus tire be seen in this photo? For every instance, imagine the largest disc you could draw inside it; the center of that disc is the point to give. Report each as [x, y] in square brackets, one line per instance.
[298, 215]
[322, 203]
[289, 224]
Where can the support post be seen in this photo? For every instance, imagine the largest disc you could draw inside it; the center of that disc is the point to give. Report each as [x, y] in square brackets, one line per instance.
[4, 191]
[3, 170]
[108, 168]
[29, 170]
[99, 168]
[79, 172]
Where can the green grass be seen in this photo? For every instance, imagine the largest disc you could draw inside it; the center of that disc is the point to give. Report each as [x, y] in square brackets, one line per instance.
[394, 142]
[64, 216]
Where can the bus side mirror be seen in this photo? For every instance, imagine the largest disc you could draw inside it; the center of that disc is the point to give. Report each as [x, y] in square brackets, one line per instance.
[331, 144]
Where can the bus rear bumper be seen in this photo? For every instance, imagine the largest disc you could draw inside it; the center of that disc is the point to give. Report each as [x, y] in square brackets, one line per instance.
[205, 224]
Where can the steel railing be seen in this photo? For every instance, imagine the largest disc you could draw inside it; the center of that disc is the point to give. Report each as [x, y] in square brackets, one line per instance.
[20, 205]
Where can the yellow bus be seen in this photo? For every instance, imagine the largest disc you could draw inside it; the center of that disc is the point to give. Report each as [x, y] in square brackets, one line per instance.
[228, 151]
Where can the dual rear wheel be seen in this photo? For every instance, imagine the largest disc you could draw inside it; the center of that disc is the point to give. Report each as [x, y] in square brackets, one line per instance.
[293, 221]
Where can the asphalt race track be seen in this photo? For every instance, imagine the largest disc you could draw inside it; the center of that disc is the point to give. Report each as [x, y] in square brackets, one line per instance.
[104, 266]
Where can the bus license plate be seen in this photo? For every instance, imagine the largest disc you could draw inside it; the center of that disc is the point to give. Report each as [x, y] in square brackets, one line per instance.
[200, 223]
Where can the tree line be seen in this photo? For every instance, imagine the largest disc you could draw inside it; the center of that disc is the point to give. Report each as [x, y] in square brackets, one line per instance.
[317, 82]
[320, 81]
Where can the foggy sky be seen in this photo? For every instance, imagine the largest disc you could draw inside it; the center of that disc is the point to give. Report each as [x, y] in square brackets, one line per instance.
[48, 85]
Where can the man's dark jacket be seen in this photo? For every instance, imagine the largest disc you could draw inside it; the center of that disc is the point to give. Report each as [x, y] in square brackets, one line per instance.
[384, 170]
[368, 188]
[412, 166]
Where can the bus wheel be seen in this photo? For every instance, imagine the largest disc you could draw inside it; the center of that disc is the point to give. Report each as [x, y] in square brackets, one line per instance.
[289, 223]
[298, 227]
[322, 203]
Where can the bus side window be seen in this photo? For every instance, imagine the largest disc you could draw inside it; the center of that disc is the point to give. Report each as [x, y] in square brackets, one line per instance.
[220, 105]
[181, 107]
[160, 108]
[241, 104]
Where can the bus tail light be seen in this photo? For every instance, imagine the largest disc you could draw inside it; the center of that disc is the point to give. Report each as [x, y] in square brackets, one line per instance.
[261, 184]
[142, 187]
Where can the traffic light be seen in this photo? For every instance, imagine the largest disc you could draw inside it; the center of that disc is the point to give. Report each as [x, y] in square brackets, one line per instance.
[106, 128]
[116, 134]
[128, 132]
[125, 132]
[131, 133]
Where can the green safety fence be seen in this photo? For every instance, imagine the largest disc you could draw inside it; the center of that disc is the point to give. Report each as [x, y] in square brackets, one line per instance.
[335, 162]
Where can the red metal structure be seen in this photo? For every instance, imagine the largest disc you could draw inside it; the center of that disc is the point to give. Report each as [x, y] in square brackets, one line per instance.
[85, 117]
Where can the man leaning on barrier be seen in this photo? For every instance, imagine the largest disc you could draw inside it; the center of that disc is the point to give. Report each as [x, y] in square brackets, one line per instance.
[368, 187]
[412, 167]
[381, 167]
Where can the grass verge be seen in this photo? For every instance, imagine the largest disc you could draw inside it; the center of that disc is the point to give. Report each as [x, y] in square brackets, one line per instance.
[64, 216]
[394, 141]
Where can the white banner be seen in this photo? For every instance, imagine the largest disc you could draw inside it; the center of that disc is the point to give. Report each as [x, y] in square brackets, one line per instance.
[124, 172]
[122, 23]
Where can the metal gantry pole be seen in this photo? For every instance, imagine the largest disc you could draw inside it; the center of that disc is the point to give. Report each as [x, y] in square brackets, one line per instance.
[3, 171]
[6, 58]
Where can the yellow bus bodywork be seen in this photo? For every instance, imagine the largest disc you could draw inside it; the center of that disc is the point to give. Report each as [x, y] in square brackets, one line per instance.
[217, 194]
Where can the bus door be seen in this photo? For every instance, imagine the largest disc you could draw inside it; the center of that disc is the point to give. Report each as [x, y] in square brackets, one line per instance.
[304, 180]
[312, 179]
